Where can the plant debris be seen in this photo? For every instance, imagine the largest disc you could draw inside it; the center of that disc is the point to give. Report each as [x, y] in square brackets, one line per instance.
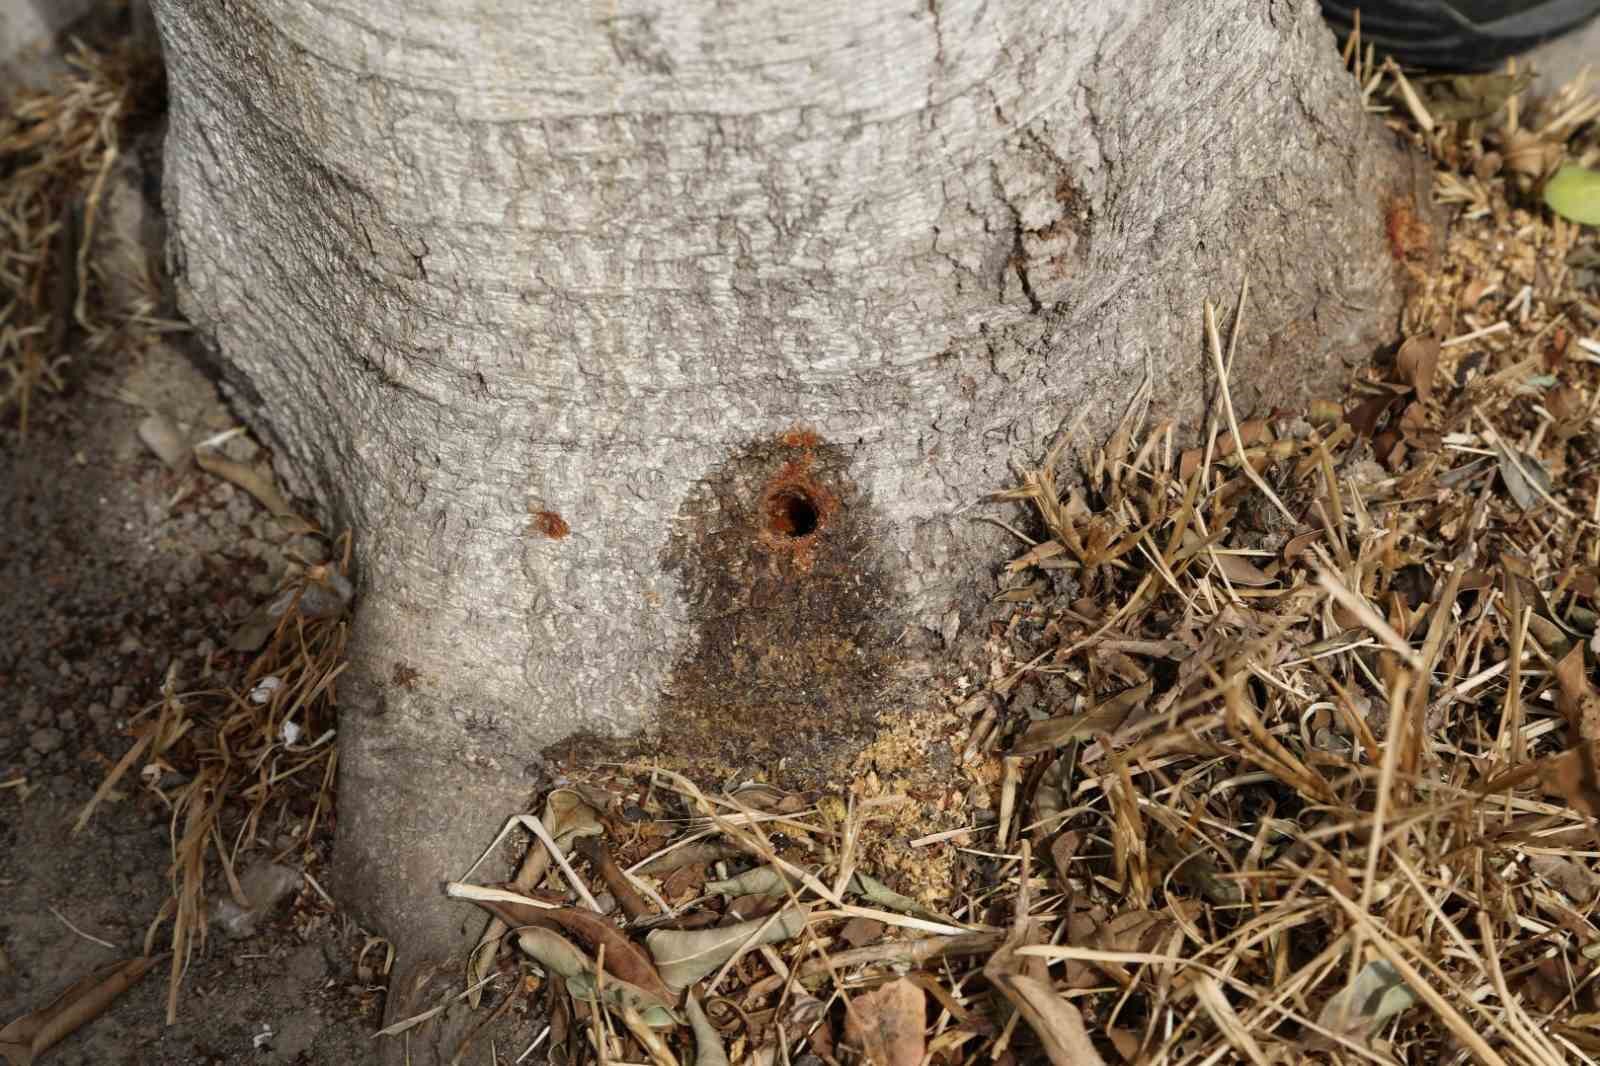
[58, 147]
[1285, 751]
[255, 752]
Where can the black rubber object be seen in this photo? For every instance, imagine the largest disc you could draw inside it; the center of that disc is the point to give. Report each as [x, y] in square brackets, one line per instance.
[1457, 34]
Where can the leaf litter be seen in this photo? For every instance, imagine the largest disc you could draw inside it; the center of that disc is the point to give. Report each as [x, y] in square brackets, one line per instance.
[1286, 748]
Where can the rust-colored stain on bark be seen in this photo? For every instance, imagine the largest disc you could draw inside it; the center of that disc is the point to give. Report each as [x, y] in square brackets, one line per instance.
[778, 555]
[800, 437]
[550, 524]
[796, 506]
[1409, 236]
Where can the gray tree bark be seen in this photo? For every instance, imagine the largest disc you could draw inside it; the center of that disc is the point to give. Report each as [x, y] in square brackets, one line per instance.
[658, 352]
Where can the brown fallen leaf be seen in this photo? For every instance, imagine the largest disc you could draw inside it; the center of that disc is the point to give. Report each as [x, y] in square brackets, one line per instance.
[623, 958]
[858, 931]
[560, 956]
[28, 1037]
[568, 817]
[248, 478]
[887, 1023]
[1103, 717]
[1241, 571]
[1296, 545]
[1056, 1022]
[1369, 413]
[1575, 773]
[1416, 362]
[1571, 775]
[1575, 697]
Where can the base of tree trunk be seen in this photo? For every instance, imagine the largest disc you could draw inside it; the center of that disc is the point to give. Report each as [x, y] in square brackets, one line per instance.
[660, 363]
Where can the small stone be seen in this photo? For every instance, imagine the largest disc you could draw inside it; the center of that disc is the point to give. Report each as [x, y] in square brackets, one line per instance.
[45, 740]
[99, 713]
[163, 437]
[130, 644]
[28, 714]
[240, 449]
[67, 721]
[119, 697]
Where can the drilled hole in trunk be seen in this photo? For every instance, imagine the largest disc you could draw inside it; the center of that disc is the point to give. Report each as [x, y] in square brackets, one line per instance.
[791, 514]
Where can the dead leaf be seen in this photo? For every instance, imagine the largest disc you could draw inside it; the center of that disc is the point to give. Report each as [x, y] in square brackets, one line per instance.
[1057, 1022]
[1366, 416]
[1296, 545]
[1241, 571]
[559, 955]
[683, 956]
[761, 881]
[859, 931]
[1416, 362]
[248, 478]
[708, 1049]
[1575, 773]
[887, 1023]
[1571, 775]
[1524, 476]
[1575, 697]
[622, 956]
[1360, 1009]
[1104, 717]
[567, 816]
[28, 1037]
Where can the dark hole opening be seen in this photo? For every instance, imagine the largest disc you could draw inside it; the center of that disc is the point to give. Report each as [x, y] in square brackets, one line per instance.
[791, 514]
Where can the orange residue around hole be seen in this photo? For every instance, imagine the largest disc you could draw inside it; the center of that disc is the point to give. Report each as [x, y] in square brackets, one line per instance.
[550, 524]
[794, 507]
[1407, 233]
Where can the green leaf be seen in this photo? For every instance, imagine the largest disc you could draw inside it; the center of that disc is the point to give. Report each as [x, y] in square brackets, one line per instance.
[1574, 194]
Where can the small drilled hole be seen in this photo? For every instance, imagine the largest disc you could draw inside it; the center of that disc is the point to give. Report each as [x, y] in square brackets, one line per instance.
[791, 514]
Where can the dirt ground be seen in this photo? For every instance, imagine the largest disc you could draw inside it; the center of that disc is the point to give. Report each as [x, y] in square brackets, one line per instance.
[115, 570]
[118, 571]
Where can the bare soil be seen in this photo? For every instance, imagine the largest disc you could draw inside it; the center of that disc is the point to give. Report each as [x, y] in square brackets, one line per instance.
[115, 570]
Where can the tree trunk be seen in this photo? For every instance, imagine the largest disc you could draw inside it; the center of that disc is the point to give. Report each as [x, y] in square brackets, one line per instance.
[659, 353]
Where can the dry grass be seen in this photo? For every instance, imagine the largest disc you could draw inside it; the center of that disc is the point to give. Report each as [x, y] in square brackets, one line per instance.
[242, 762]
[58, 146]
[1286, 752]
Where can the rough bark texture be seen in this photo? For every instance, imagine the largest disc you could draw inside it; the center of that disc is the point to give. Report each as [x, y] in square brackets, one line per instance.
[534, 297]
